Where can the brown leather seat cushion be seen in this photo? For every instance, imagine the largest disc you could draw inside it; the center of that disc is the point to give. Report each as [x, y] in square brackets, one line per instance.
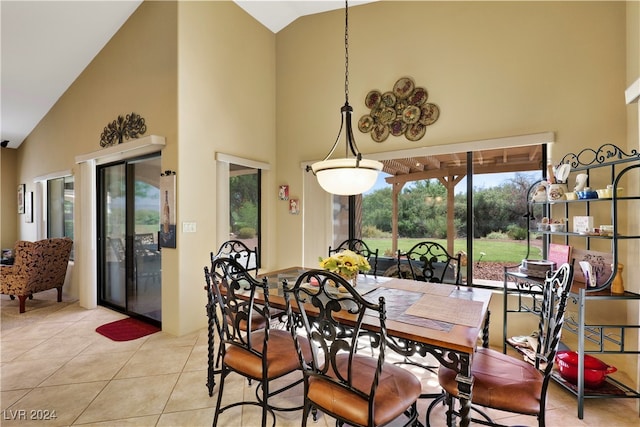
[281, 355]
[500, 382]
[397, 390]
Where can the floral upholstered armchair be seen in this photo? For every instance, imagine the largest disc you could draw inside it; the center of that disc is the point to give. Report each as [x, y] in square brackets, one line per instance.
[38, 266]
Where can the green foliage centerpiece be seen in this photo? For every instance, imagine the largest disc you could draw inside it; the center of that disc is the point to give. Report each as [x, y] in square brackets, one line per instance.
[346, 263]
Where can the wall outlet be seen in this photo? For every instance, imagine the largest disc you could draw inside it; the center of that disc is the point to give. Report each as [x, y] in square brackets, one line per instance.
[188, 227]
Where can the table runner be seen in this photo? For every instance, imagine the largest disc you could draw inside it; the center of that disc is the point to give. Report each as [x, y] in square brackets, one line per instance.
[436, 307]
[397, 300]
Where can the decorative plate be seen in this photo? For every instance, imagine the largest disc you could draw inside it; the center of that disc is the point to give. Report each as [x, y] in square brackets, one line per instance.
[387, 115]
[380, 133]
[397, 128]
[372, 99]
[400, 106]
[415, 131]
[365, 124]
[403, 87]
[411, 114]
[430, 113]
[389, 99]
[418, 97]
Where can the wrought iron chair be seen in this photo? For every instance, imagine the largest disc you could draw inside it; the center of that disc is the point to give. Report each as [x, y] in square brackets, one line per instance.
[340, 380]
[360, 247]
[249, 347]
[512, 384]
[240, 252]
[429, 262]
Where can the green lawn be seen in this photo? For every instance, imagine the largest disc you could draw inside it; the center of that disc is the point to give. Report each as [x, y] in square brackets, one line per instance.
[512, 251]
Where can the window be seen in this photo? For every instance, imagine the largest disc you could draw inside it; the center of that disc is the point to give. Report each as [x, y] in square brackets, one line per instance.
[239, 201]
[244, 205]
[426, 198]
[60, 201]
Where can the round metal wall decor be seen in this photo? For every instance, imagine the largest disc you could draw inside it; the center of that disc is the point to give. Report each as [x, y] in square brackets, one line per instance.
[404, 110]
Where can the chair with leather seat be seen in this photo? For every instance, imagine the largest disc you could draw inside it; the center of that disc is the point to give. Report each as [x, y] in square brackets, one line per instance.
[342, 379]
[361, 248]
[214, 327]
[508, 383]
[428, 262]
[257, 353]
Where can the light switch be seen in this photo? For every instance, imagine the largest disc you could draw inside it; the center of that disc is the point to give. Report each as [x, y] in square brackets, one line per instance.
[188, 227]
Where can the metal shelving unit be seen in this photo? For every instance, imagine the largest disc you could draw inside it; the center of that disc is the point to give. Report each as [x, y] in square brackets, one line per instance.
[592, 338]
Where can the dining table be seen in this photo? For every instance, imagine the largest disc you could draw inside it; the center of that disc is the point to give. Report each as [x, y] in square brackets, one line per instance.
[443, 320]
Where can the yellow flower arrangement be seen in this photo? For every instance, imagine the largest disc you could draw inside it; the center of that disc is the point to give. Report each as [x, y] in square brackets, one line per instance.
[346, 263]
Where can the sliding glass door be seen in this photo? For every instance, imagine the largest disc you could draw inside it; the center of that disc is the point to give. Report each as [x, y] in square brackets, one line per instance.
[129, 258]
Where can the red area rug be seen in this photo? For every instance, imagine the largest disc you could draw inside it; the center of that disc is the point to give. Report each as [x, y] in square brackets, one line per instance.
[126, 329]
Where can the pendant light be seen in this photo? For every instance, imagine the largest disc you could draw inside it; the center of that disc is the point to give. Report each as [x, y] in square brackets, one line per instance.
[349, 175]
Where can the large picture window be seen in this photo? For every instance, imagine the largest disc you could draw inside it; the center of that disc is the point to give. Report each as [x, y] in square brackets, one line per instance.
[471, 202]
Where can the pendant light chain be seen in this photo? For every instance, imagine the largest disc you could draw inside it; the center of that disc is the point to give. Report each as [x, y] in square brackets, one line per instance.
[346, 51]
[349, 175]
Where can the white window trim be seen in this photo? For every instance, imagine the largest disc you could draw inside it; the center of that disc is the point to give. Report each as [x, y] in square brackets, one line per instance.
[40, 200]
[222, 180]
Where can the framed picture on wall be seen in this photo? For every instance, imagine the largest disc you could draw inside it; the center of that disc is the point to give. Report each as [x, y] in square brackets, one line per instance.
[283, 192]
[21, 189]
[294, 206]
[167, 235]
[28, 207]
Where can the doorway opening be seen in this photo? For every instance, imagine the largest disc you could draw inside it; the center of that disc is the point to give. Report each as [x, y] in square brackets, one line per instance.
[129, 258]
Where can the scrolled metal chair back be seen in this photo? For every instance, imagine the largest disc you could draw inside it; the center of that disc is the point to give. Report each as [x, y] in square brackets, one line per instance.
[234, 291]
[361, 248]
[555, 295]
[430, 262]
[238, 251]
[332, 313]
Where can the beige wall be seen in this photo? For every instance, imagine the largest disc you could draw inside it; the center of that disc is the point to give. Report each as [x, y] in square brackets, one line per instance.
[494, 68]
[226, 81]
[8, 199]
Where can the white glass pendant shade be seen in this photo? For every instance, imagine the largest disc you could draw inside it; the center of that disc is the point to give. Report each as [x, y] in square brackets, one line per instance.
[346, 177]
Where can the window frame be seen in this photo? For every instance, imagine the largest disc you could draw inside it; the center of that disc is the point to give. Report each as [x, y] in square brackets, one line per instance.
[223, 174]
[42, 202]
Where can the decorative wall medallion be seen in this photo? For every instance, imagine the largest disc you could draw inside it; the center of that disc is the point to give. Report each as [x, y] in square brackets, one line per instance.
[403, 110]
[129, 127]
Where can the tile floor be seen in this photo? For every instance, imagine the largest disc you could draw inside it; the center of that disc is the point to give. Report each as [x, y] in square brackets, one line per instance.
[51, 359]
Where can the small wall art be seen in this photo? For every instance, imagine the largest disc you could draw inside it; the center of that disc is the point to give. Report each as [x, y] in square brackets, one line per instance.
[167, 235]
[294, 206]
[283, 192]
[28, 207]
[21, 189]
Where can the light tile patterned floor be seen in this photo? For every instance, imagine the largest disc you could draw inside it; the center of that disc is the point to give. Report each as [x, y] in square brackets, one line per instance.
[51, 359]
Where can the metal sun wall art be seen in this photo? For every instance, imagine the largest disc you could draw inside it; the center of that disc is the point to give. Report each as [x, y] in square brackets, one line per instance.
[129, 127]
[403, 110]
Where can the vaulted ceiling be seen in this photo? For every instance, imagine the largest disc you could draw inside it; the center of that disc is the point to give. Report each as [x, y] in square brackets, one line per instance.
[45, 45]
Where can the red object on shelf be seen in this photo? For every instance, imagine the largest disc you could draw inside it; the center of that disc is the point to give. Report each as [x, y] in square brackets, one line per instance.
[595, 370]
